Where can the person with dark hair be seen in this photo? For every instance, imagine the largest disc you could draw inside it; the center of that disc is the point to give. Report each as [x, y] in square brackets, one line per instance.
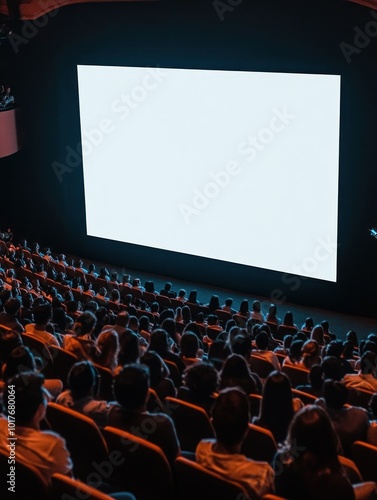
[9, 317]
[193, 297]
[316, 381]
[80, 342]
[213, 304]
[278, 405]
[308, 467]
[230, 418]
[159, 375]
[352, 337]
[145, 327]
[155, 310]
[44, 450]
[182, 295]
[200, 383]
[190, 352]
[365, 378]
[308, 326]
[236, 372]
[241, 344]
[244, 309]
[9, 340]
[218, 352]
[262, 351]
[335, 348]
[149, 287]
[42, 321]
[228, 306]
[327, 335]
[186, 315]
[350, 422]
[104, 273]
[159, 342]
[20, 360]
[131, 387]
[83, 384]
[271, 316]
[121, 324]
[129, 348]
[168, 324]
[167, 291]
[288, 320]
[332, 368]
[348, 353]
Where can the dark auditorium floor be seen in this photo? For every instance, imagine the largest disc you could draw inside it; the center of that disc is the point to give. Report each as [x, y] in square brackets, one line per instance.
[340, 323]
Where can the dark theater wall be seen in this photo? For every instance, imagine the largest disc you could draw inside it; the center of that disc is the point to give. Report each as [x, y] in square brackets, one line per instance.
[260, 35]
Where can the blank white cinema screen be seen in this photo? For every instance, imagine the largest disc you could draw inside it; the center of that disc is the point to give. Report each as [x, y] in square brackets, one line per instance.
[230, 165]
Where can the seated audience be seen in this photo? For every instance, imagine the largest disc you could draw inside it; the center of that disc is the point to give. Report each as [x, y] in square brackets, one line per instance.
[261, 341]
[278, 406]
[284, 349]
[167, 291]
[193, 297]
[213, 304]
[310, 355]
[294, 354]
[218, 352]
[236, 372]
[318, 335]
[307, 466]
[230, 418]
[350, 422]
[256, 314]
[288, 320]
[308, 326]
[21, 360]
[159, 375]
[159, 342]
[9, 317]
[228, 306]
[190, 351]
[40, 329]
[131, 387]
[316, 381]
[129, 348]
[365, 378]
[108, 347]
[83, 384]
[182, 295]
[44, 450]
[80, 342]
[272, 315]
[200, 383]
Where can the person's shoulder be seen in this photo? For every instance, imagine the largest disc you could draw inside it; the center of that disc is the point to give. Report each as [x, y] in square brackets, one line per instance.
[52, 437]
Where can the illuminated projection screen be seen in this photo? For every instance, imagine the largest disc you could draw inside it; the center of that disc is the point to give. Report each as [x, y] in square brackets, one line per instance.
[236, 166]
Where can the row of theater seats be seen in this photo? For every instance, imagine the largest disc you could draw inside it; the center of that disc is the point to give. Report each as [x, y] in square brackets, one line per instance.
[125, 462]
[57, 362]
